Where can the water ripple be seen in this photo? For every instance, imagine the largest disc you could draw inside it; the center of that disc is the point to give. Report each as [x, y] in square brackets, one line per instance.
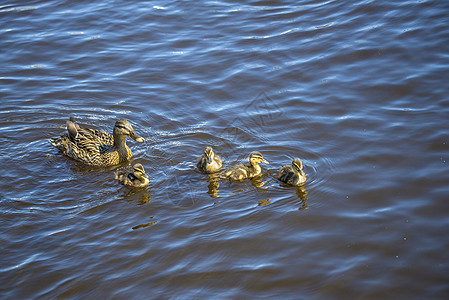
[356, 90]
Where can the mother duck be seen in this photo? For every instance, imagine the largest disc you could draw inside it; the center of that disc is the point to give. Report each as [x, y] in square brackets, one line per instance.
[96, 147]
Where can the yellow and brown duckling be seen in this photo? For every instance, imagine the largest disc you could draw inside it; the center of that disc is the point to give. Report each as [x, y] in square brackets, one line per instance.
[96, 147]
[247, 170]
[136, 178]
[209, 162]
[292, 174]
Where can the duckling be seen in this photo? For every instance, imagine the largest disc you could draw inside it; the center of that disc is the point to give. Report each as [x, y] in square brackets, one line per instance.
[137, 178]
[209, 162]
[292, 174]
[96, 147]
[244, 171]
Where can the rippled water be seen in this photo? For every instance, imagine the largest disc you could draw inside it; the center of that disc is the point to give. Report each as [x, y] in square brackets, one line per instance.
[356, 90]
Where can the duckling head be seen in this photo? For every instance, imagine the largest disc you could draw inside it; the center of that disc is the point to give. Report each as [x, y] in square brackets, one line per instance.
[139, 172]
[297, 166]
[123, 127]
[256, 158]
[209, 154]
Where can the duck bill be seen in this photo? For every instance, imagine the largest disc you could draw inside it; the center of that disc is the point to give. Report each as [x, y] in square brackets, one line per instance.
[136, 137]
[265, 162]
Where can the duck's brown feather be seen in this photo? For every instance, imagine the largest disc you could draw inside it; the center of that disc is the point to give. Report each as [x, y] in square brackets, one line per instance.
[93, 147]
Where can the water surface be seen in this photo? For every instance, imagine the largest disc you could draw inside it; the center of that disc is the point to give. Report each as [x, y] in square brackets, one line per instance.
[357, 91]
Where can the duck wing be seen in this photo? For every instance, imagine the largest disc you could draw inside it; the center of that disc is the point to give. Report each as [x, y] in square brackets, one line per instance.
[88, 145]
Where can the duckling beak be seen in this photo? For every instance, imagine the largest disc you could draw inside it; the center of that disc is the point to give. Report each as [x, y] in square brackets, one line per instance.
[265, 162]
[141, 175]
[136, 137]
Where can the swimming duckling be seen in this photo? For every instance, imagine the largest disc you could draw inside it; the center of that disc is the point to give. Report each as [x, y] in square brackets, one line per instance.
[96, 147]
[244, 171]
[292, 174]
[209, 162]
[137, 178]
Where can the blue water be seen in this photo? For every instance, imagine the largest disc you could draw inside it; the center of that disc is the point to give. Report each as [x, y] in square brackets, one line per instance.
[358, 91]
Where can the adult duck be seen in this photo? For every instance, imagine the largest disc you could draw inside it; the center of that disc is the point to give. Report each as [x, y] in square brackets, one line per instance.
[96, 147]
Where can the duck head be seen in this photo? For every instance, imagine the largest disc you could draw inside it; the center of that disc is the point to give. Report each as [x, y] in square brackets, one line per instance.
[256, 158]
[139, 172]
[297, 166]
[72, 129]
[123, 127]
[209, 154]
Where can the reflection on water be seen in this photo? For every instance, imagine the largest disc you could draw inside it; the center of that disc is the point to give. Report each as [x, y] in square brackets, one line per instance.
[214, 184]
[140, 196]
[257, 182]
[261, 184]
[301, 192]
[144, 225]
[212, 187]
[264, 202]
